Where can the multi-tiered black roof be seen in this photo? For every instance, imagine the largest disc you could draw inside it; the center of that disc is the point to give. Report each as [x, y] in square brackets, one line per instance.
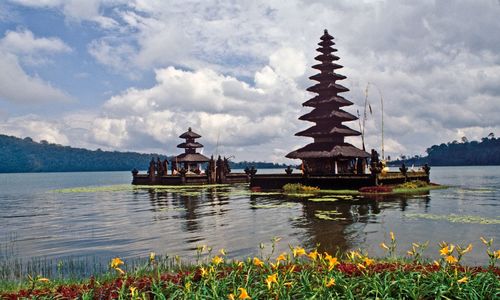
[328, 131]
[190, 146]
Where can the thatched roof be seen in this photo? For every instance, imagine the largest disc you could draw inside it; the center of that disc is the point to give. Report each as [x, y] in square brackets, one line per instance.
[192, 158]
[321, 114]
[328, 150]
[190, 145]
[328, 130]
[327, 66]
[189, 134]
[330, 76]
[331, 87]
[319, 100]
[326, 57]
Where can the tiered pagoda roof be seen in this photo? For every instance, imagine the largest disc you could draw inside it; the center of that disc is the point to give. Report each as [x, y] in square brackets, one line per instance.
[328, 132]
[190, 146]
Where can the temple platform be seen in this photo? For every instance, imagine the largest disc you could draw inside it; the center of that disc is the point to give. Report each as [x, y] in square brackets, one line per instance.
[334, 182]
[188, 179]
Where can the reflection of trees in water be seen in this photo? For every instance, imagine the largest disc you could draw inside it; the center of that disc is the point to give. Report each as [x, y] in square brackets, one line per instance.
[346, 232]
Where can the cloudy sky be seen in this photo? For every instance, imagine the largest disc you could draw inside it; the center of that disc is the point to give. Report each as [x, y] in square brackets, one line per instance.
[133, 75]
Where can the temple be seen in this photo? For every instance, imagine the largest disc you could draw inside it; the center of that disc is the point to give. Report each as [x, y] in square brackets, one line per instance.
[190, 159]
[329, 153]
[187, 167]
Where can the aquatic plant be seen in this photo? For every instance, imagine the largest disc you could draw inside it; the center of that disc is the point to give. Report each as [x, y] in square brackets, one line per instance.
[299, 188]
[453, 218]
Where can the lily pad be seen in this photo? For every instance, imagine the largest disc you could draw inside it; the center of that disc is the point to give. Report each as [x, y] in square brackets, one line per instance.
[282, 205]
[95, 189]
[456, 218]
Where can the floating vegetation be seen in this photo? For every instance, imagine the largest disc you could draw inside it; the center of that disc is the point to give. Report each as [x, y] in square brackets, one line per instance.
[325, 199]
[299, 195]
[265, 193]
[299, 188]
[281, 205]
[456, 218]
[476, 190]
[95, 189]
[340, 192]
[329, 215]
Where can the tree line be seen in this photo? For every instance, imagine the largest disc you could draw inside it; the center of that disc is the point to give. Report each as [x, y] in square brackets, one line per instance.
[25, 155]
[455, 153]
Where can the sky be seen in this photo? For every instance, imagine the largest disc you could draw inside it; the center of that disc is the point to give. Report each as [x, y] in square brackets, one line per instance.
[133, 75]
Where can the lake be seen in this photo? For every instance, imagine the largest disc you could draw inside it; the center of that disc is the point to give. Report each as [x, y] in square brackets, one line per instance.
[55, 216]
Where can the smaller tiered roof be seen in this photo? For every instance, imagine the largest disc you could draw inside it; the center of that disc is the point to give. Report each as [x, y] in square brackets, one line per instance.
[190, 146]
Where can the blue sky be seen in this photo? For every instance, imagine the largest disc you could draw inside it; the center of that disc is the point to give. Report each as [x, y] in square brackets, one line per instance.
[133, 75]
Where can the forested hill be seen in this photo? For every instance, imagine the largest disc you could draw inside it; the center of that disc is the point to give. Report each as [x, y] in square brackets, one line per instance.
[464, 153]
[25, 155]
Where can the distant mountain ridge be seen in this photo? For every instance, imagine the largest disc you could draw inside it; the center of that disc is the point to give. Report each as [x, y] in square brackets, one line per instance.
[465, 153]
[25, 155]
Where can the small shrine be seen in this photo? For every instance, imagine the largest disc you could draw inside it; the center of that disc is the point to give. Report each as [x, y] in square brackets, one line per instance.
[329, 153]
[190, 160]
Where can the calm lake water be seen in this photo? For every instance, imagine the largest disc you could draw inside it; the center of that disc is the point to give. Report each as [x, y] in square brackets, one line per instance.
[100, 215]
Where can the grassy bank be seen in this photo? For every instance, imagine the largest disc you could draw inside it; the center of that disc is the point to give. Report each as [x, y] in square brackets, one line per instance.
[297, 274]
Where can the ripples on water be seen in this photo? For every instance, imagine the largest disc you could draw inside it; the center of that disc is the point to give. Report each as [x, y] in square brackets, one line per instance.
[95, 216]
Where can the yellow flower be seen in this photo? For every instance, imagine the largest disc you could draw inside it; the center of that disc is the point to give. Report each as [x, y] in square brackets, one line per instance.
[463, 280]
[468, 249]
[257, 262]
[282, 257]
[116, 262]
[230, 296]
[497, 254]
[152, 256]
[43, 279]
[120, 270]
[270, 279]
[360, 266]
[313, 255]
[203, 272]
[446, 250]
[332, 262]
[133, 291]
[451, 259]
[393, 238]
[410, 253]
[298, 251]
[330, 282]
[240, 264]
[384, 246]
[188, 285]
[244, 294]
[485, 241]
[369, 261]
[288, 284]
[222, 252]
[436, 263]
[217, 260]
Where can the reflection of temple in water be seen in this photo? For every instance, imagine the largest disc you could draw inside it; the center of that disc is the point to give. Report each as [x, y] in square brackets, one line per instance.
[187, 204]
[350, 219]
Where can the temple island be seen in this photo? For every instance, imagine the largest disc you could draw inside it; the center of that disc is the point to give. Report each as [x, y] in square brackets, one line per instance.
[329, 162]
[186, 168]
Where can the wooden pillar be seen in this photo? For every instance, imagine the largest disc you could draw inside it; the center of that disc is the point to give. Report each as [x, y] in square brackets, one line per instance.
[336, 167]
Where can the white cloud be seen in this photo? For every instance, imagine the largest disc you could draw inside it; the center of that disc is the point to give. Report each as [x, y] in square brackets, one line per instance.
[18, 87]
[24, 42]
[234, 66]
[15, 84]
